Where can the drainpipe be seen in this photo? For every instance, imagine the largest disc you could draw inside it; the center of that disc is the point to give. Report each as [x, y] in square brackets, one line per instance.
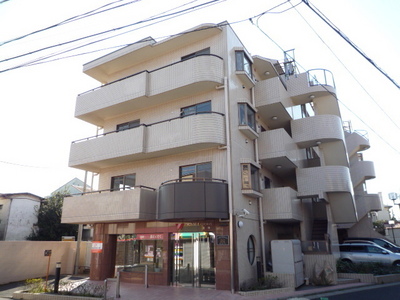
[230, 186]
[260, 199]
[79, 240]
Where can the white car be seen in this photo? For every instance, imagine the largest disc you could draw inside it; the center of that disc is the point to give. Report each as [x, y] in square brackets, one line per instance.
[358, 253]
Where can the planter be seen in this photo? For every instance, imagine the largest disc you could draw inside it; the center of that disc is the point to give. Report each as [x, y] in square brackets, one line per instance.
[42, 296]
[370, 278]
[267, 292]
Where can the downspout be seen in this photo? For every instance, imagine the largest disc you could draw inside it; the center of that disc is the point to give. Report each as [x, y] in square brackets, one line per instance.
[230, 186]
[79, 239]
[260, 199]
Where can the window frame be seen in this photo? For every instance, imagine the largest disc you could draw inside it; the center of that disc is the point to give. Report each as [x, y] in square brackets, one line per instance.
[251, 249]
[124, 178]
[243, 62]
[250, 177]
[246, 112]
[196, 108]
[129, 125]
[195, 174]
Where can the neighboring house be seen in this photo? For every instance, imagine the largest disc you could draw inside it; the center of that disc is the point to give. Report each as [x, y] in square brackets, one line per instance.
[208, 154]
[74, 186]
[18, 215]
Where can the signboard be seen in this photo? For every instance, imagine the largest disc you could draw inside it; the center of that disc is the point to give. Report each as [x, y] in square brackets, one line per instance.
[47, 252]
[97, 247]
[68, 238]
[222, 240]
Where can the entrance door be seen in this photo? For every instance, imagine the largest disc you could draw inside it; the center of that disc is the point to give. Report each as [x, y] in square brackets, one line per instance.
[193, 259]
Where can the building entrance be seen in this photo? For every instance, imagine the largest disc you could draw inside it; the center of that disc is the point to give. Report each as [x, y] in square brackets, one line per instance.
[192, 259]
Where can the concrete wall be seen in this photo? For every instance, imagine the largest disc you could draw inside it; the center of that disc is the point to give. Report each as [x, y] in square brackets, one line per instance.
[20, 260]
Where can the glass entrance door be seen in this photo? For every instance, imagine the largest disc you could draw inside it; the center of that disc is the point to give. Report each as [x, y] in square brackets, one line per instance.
[193, 259]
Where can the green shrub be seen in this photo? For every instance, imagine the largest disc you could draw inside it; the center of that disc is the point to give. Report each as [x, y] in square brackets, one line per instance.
[265, 283]
[366, 268]
[36, 285]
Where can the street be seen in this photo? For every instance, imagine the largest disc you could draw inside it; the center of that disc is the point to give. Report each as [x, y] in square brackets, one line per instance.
[386, 291]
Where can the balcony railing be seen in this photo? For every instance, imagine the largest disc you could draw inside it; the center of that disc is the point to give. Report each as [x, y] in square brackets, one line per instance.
[135, 204]
[149, 88]
[320, 77]
[177, 135]
[193, 198]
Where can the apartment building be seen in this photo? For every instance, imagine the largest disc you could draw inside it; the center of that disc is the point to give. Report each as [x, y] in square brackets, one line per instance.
[207, 154]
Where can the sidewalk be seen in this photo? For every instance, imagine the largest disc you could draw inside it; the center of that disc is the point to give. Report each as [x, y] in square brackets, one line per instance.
[129, 291]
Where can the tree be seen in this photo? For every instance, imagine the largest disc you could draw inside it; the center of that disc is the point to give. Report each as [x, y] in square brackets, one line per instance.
[49, 227]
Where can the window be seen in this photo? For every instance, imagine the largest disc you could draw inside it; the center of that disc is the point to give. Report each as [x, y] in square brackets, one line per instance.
[140, 250]
[124, 182]
[250, 177]
[243, 63]
[203, 107]
[247, 116]
[1, 206]
[198, 171]
[267, 183]
[251, 249]
[197, 53]
[128, 125]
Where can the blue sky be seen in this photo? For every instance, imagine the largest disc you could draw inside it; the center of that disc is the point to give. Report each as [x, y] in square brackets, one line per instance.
[37, 102]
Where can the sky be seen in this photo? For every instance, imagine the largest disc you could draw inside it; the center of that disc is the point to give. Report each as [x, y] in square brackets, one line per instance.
[38, 94]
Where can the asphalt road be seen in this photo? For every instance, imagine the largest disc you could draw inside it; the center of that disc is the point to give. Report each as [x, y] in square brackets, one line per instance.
[377, 292]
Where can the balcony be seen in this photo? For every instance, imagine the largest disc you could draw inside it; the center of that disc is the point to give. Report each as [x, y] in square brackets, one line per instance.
[138, 204]
[312, 131]
[356, 141]
[281, 205]
[198, 198]
[361, 171]
[182, 134]
[277, 148]
[271, 100]
[367, 203]
[332, 183]
[314, 83]
[148, 88]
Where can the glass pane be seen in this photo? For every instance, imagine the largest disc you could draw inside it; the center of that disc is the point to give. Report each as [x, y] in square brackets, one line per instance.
[242, 114]
[117, 183]
[250, 249]
[204, 170]
[247, 65]
[204, 107]
[129, 181]
[255, 183]
[187, 172]
[251, 120]
[239, 61]
[191, 110]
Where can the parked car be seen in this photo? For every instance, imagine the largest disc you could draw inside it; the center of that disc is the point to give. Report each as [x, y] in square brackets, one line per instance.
[379, 241]
[358, 253]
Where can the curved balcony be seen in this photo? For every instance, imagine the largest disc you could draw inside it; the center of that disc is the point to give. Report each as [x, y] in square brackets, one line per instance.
[182, 134]
[149, 88]
[271, 100]
[312, 131]
[361, 171]
[356, 141]
[281, 205]
[307, 86]
[332, 183]
[367, 203]
[196, 199]
[137, 204]
[277, 148]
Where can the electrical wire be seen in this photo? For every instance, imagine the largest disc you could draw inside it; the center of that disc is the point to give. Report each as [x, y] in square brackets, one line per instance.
[342, 35]
[173, 15]
[347, 69]
[110, 30]
[71, 19]
[359, 118]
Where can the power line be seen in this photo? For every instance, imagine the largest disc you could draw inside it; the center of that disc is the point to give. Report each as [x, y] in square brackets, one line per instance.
[347, 69]
[342, 35]
[156, 17]
[110, 30]
[66, 21]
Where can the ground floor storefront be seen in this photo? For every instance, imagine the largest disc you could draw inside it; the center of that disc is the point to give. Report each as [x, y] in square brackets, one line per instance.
[195, 254]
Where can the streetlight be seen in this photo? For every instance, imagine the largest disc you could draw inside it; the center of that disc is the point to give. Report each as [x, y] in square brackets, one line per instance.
[393, 197]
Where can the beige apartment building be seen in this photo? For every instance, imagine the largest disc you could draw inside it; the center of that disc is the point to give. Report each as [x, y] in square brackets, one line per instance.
[206, 154]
